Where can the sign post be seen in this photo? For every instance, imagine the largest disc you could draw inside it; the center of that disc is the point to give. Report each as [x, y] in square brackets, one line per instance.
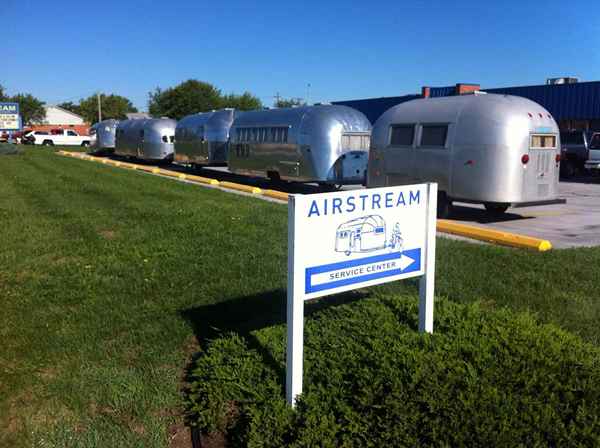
[10, 120]
[352, 239]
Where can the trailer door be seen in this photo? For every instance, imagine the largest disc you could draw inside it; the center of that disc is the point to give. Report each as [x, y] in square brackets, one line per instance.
[543, 171]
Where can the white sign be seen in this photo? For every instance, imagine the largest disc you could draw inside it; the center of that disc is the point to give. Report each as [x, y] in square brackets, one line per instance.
[352, 239]
[10, 119]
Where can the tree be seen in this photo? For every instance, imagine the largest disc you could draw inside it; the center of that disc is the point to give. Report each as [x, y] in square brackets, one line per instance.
[193, 96]
[32, 109]
[71, 107]
[2, 94]
[246, 101]
[282, 102]
[187, 98]
[113, 106]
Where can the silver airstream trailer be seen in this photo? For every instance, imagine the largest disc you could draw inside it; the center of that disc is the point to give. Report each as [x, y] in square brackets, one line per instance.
[497, 150]
[201, 139]
[105, 135]
[149, 139]
[325, 144]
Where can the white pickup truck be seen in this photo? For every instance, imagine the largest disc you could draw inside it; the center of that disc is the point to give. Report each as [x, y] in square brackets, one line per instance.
[59, 137]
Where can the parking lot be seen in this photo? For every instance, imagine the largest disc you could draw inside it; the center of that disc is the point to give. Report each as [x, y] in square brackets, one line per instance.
[574, 224]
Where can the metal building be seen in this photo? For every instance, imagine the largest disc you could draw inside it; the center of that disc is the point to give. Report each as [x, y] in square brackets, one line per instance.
[574, 105]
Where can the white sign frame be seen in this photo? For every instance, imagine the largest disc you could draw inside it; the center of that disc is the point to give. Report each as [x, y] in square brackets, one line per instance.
[298, 291]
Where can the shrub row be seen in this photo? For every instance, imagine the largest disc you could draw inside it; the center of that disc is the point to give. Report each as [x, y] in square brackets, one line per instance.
[484, 378]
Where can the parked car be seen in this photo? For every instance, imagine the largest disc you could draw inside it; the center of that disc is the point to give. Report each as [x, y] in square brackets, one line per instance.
[574, 152]
[58, 137]
[593, 161]
[4, 137]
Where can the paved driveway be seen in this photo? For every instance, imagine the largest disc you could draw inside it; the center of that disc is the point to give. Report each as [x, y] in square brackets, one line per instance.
[574, 224]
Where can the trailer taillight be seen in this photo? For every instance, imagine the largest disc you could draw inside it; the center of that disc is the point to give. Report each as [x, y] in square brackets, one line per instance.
[557, 158]
[525, 159]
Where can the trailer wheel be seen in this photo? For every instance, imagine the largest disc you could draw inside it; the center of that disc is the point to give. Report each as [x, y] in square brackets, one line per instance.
[444, 205]
[496, 209]
[568, 169]
[47, 143]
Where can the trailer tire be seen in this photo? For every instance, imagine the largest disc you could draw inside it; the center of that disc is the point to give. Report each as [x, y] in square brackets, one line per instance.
[496, 209]
[444, 205]
[568, 169]
[47, 143]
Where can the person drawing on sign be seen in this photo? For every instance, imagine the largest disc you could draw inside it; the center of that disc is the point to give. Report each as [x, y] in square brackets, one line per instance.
[396, 240]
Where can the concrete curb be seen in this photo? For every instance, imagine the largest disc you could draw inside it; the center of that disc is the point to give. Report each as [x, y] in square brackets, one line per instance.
[493, 236]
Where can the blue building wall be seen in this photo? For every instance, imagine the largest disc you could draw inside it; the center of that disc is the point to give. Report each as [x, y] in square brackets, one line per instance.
[373, 108]
[579, 101]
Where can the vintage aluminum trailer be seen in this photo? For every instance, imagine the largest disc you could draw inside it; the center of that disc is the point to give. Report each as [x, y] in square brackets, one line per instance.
[149, 139]
[105, 135]
[201, 139]
[325, 144]
[497, 150]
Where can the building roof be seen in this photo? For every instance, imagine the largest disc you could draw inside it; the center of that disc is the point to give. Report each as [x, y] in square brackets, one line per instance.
[68, 112]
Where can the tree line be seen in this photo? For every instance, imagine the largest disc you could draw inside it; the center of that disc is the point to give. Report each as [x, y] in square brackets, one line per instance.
[188, 97]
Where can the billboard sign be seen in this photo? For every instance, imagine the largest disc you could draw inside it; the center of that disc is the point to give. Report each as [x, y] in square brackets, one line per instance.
[352, 239]
[10, 119]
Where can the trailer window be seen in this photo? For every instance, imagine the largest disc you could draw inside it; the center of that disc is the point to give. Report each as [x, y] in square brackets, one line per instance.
[434, 135]
[543, 141]
[355, 142]
[402, 135]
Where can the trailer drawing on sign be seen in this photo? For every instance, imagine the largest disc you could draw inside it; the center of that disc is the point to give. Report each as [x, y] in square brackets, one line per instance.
[366, 234]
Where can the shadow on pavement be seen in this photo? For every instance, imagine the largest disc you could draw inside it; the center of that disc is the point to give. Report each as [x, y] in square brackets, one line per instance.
[482, 216]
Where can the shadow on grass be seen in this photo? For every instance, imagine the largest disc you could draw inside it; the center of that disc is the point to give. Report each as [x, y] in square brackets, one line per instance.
[245, 315]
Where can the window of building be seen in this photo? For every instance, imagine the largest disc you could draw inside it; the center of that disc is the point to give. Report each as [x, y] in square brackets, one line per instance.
[402, 135]
[541, 141]
[434, 135]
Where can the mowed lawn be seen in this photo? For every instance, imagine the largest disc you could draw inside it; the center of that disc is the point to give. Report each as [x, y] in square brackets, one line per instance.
[103, 272]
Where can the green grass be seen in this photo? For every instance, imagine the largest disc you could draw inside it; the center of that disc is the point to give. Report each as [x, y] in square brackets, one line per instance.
[109, 277]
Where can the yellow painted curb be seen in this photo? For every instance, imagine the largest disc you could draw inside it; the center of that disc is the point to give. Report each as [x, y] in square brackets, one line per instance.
[276, 194]
[202, 180]
[172, 174]
[241, 187]
[493, 236]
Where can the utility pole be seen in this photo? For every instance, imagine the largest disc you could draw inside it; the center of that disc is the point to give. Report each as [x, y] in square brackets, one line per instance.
[277, 98]
[99, 107]
[307, 93]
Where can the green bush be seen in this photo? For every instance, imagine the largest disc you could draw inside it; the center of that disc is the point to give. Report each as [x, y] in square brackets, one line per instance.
[484, 378]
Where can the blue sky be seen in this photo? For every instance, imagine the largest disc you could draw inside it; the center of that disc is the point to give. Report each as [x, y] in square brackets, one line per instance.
[63, 50]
